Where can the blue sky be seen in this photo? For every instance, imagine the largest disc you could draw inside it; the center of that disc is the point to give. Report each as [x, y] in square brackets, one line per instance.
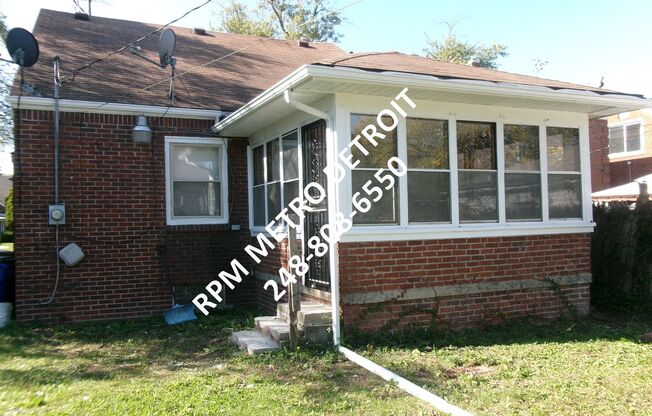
[581, 40]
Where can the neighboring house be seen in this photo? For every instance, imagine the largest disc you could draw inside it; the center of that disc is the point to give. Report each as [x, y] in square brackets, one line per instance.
[491, 221]
[629, 192]
[622, 149]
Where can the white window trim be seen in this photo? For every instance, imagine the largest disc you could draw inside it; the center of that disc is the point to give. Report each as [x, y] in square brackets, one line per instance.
[256, 229]
[224, 174]
[432, 231]
[641, 138]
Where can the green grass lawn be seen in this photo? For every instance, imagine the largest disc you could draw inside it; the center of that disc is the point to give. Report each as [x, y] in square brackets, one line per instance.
[588, 367]
[144, 367]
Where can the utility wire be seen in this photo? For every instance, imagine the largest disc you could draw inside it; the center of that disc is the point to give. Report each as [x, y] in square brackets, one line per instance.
[127, 46]
[251, 45]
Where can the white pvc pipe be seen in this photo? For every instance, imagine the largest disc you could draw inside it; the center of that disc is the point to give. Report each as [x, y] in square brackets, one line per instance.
[405, 385]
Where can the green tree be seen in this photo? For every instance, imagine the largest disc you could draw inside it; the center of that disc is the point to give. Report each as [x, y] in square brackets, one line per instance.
[453, 49]
[7, 72]
[312, 20]
[9, 210]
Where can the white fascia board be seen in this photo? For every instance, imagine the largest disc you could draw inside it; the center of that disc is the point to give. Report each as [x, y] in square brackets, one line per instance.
[616, 101]
[78, 106]
[469, 87]
[261, 100]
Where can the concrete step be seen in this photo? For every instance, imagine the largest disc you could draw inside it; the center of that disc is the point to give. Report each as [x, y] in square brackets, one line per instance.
[311, 314]
[273, 327]
[253, 342]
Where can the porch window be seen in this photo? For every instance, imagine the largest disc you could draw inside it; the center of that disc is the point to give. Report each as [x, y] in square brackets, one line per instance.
[384, 210]
[564, 176]
[466, 172]
[428, 177]
[478, 174]
[522, 173]
[196, 185]
[275, 176]
[625, 138]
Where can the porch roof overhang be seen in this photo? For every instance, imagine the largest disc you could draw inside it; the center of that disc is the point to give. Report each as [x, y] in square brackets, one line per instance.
[310, 83]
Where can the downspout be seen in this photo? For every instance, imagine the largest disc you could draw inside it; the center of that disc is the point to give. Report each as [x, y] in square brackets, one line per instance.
[331, 152]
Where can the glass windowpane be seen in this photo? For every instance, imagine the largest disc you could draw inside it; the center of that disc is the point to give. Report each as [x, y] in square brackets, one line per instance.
[273, 200]
[429, 196]
[259, 171]
[563, 149]
[273, 162]
[476, 145]
[478, 199]
[197, 199]
[616, 140]
[385, 210]
[291, 156]
[259, 205]
[427, 143]
[565, 196]
[379, 155]
[633, 138]
[521, 147]
[523, 196]
[195, 163]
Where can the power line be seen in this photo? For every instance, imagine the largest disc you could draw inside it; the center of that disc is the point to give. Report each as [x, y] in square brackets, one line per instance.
[127, 46]
[209, 62]
[251, 45]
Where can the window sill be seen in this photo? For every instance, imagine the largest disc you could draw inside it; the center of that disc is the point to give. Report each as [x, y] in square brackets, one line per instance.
[625, 154]
[197, 221]
[441, 232]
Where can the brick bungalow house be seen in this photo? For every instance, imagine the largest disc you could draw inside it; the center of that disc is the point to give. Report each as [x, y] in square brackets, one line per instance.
[491, 221]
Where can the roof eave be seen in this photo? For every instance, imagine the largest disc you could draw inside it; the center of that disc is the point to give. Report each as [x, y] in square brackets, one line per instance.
[277, 90]
[615, 102]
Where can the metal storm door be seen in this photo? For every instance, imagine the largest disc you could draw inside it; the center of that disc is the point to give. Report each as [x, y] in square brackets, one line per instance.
[313, 139]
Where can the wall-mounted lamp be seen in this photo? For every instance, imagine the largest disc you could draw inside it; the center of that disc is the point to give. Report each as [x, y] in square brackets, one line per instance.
[141, 132]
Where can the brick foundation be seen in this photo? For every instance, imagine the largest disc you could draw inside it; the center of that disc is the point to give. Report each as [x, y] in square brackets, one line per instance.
[114, 191]
[462, 282]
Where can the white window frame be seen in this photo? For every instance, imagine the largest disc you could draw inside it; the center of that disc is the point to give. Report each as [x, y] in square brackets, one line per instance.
[456, 229]
[624, 125]
[250, 168]
[224, 179]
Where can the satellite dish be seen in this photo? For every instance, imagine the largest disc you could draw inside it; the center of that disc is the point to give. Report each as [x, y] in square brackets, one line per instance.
[22, 47]
[166, 44]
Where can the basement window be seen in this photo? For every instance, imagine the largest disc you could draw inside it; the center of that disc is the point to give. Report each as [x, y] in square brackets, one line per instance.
[196, 181]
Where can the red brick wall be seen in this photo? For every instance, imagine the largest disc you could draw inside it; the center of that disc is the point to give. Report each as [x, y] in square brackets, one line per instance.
[405, 265]
[114, 191]
[620, 171]
[599, 145]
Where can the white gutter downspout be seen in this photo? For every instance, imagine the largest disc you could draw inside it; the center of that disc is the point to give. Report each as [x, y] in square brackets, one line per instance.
[405, 385]
[331, 154]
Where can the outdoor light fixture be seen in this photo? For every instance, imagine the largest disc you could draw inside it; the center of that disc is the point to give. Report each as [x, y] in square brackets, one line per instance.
[141, 132]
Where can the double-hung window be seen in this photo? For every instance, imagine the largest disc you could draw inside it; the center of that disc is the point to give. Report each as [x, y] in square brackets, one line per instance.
[196, 181]
[385, 210]
[428, 177]
[478, 174]
[275, 175]
[625, 138]
[522, 173]
[564, 175]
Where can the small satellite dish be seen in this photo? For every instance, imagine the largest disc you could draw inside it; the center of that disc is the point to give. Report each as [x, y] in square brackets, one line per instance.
[22, 47]
[166, 44]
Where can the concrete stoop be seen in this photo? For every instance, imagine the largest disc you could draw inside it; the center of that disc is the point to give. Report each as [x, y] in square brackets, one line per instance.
[273, 332]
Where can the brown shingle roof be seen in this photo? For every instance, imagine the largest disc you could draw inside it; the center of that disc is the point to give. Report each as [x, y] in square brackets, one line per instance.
[226, 84]
[398, 62]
